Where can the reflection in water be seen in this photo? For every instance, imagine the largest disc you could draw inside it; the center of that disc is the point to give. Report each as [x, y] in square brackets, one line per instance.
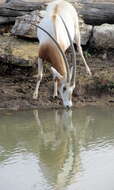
[60, 140]
[56, 150]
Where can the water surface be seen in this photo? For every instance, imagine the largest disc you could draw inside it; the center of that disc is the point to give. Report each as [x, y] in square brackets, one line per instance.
[57, 149]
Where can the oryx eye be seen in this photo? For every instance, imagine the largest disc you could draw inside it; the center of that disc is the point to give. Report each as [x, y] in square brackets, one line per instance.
[64, 88]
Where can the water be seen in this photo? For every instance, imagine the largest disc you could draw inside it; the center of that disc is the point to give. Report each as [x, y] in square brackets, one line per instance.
[57, 150]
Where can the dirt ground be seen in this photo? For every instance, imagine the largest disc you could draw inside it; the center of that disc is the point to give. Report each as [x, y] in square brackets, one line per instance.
[17, 85]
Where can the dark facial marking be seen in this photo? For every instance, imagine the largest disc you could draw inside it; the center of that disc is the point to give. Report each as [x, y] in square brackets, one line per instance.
[64, 89]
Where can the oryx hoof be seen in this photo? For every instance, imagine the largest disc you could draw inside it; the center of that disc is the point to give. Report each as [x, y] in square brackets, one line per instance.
[89, 73]
[52, 98]
[55, 97]
[35, 96]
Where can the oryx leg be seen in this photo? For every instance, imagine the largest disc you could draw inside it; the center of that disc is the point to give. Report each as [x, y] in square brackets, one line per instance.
[78, 43]
[39, 78]
[55, 93]
[56, 76]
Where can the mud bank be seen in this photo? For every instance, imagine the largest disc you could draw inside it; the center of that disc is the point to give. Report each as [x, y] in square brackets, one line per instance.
[17, 85]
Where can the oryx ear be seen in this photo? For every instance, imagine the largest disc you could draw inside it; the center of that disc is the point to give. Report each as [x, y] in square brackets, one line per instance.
[71, 72]
[56, 74]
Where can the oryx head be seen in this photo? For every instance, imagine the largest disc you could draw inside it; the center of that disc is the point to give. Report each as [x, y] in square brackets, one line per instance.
[66, 86]
[67, 83]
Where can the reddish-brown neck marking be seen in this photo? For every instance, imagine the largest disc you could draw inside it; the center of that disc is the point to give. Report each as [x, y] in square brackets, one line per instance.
[52, 54]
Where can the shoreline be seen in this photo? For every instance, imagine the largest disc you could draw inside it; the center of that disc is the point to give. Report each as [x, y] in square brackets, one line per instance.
[17, 85]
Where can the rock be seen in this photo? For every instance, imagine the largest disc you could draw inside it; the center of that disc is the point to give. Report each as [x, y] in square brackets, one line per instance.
[85, 30]
[17, 51]
[24, 28]
[103, 36]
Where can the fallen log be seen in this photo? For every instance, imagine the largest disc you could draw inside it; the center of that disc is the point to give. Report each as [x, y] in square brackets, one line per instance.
[5, 20]
[97, 13]
[94, 13]
[18, 8]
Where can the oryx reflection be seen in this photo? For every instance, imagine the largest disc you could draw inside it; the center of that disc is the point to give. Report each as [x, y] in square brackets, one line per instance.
[61, 143]
[56, 149]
